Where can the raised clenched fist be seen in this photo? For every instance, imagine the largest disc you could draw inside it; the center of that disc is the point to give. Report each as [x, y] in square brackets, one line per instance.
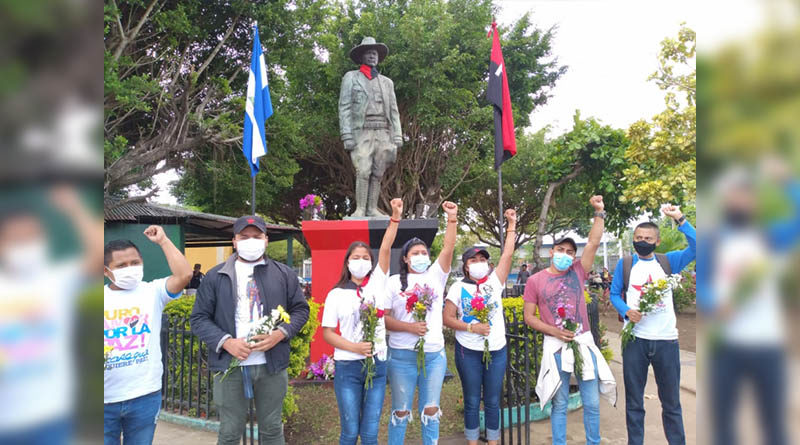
[450, 208]
[397, 208]
[672, 211]
[155, 234]
[511, 215]
[597, 203]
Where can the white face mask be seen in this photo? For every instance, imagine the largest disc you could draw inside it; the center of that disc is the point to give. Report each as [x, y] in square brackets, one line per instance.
[127, 277]
[478, 270]
[359, 268]
[420, 263]
[27, 258]
[251, 249]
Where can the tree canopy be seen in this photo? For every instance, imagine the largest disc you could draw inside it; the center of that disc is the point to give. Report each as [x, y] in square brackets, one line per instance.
[438, 59]
[663, 152]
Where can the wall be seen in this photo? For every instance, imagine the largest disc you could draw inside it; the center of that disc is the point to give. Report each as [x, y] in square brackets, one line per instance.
[155, 265]
[207, 257]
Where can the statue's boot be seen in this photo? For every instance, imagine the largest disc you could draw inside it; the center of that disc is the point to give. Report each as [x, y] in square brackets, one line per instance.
[374, 195]
[362, 189]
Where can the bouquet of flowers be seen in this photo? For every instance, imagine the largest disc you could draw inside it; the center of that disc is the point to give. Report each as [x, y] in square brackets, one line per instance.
[311, 201]
[323, 369]
[652, 294]
[571, 325]
[418, 304]
[369, 316]
[311, 206]
[482, 310]
[264, 326]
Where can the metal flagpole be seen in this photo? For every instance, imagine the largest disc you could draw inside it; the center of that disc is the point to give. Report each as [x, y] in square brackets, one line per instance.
[500, 203]
[253, 196]
[252, 177]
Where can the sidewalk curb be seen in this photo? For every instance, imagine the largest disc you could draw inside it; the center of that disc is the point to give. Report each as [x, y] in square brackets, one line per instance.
[190, 422]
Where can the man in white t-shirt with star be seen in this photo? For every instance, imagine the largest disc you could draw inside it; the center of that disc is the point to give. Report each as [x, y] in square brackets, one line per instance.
[656, 333]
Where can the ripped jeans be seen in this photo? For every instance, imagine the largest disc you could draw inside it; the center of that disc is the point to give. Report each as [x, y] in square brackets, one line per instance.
[403, 379]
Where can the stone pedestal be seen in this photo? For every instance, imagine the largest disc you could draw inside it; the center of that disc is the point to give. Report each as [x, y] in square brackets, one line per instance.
[329, 241]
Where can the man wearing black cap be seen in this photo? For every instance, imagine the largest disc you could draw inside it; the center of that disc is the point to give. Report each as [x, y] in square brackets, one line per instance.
[231, 297]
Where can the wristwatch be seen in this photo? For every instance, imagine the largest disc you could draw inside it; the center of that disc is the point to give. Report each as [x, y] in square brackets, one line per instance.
[681, 219]
[601, 214]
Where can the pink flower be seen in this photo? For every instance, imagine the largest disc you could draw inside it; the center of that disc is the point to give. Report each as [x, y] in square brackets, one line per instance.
[477, 304]
[562, 312]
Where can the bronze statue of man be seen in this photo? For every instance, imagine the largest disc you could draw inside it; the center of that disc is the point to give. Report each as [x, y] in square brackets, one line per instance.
[369, 123]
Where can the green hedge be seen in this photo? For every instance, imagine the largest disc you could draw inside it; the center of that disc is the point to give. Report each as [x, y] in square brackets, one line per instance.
[180, 309]
[685, 297]
[513, 307]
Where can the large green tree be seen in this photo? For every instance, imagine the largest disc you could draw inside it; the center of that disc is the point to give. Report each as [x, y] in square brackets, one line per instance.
[174, 77]
[438, 59]
[550, 183]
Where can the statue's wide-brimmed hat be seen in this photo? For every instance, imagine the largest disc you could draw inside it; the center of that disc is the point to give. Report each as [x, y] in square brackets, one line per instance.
[366, 44]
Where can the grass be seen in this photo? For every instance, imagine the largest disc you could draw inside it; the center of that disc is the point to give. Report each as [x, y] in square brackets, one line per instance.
[317, 421]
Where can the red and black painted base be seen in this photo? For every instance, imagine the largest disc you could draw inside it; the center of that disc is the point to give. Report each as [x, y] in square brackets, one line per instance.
[329, 241]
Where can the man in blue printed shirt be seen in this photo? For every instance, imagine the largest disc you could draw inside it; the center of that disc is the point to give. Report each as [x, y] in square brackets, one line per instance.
[656, 333]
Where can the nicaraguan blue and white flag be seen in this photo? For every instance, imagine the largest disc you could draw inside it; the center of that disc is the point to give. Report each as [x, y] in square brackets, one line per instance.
[258, 107]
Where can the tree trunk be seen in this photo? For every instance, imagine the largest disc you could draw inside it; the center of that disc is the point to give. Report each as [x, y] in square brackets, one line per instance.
[540, 232]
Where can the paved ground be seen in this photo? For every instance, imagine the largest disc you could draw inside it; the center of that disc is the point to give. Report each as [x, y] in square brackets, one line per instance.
[612, 420]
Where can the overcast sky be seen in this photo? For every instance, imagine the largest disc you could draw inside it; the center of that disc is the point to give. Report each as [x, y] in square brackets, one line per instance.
[610, 48]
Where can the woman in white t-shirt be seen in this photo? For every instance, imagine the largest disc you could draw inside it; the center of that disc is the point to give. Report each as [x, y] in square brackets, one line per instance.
[360, 402]
[472, 336]
[416, 272]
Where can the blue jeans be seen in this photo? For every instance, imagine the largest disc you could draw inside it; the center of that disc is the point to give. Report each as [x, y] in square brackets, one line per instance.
[359, 408]
[403, 379]
[57, 432]
[474, 377]
[590, 396]
[732, 366]
[134, 420]
[665, 357]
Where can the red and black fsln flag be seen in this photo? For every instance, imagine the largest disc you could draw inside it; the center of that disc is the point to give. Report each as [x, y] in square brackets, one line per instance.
[505, 143]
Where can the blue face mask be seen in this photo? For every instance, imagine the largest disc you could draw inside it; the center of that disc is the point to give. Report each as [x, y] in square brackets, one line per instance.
[419, 263]
[561, 261]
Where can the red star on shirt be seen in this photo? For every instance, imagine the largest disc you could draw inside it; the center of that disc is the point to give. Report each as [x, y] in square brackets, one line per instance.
[639, 287]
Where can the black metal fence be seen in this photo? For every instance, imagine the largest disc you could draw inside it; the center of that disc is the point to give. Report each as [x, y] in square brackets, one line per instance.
[187, 383]
[523, 349]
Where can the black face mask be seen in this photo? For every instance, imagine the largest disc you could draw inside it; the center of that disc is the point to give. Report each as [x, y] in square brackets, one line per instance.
[643, 248]
[738, 218]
